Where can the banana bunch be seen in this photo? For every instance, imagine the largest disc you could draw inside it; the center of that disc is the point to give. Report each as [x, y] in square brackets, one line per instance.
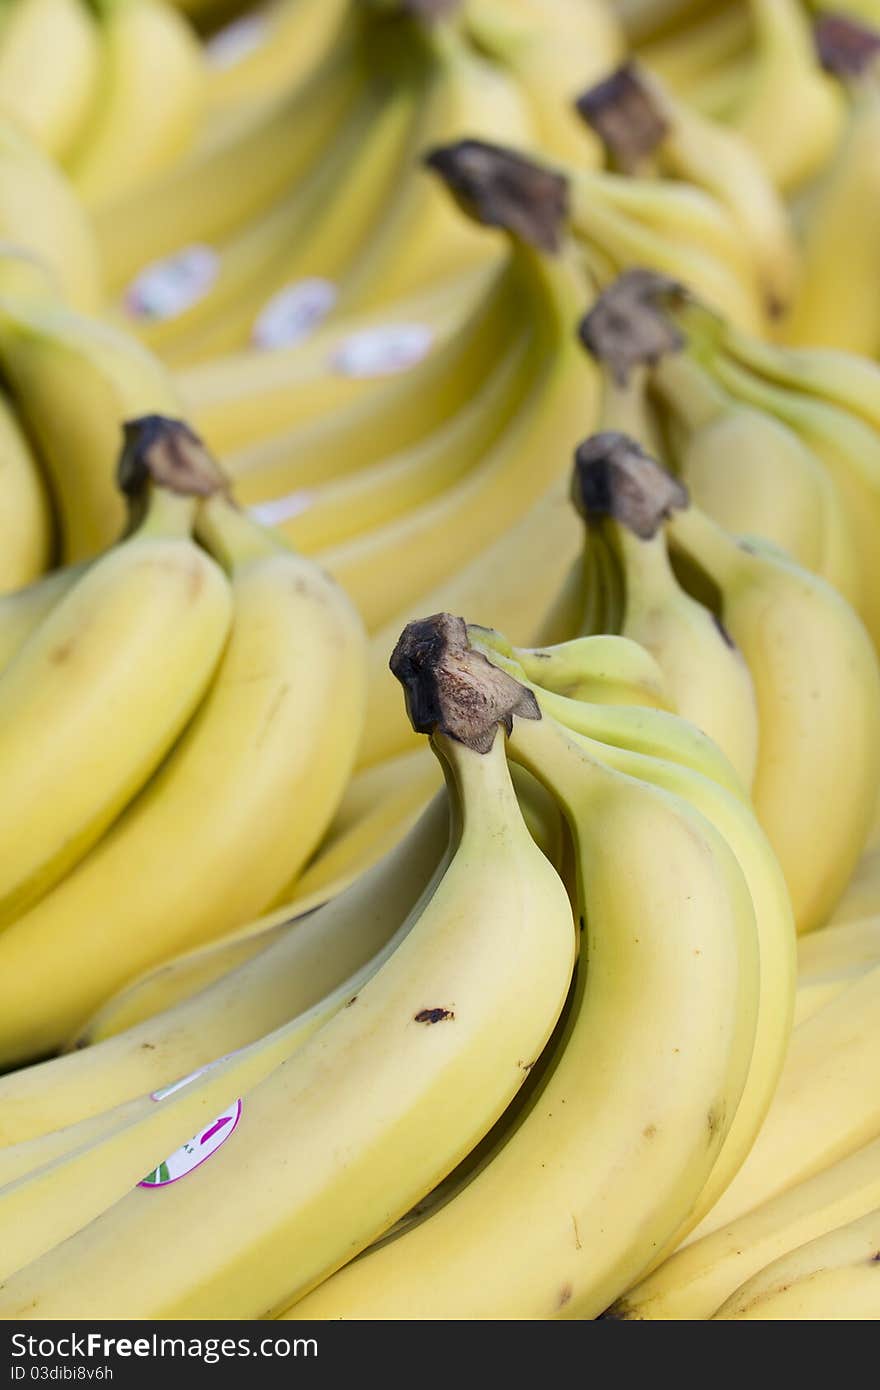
[443, 1023]
[202, 643]
[81, 79]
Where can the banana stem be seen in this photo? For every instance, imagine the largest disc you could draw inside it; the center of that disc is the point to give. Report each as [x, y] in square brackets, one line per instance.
[690, 392]
[231, 536]
[717, 553]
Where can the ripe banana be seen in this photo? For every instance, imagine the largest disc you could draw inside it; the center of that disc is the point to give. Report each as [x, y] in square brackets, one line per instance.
[271, 744]
[458, 1011]
[94, 700]
[817, 689]
[610, 1154]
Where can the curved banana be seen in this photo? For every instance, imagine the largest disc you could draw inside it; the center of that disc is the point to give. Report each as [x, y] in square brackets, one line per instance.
[817, 688]
[263, 53]
[271, 744]
[458, 1011]
[834, 1277]
[726, 809]
[599, 669]
[610, 1153]
[94, 700]
[708, 679]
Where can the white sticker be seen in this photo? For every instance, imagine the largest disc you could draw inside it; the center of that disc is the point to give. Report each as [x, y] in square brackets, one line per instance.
[192, 1155]
[165, 288]
[236, 41]
[281, 508]
[382, 351]
[294, 312]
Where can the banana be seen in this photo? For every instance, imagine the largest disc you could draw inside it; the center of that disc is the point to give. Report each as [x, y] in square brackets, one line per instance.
[835, 306]
[825, 1106]
[682, 144]
[707, 677]
[39, 210]
[723, 805]
[850, 451]
[75, 381]
[50, 58]
[271, 744]
[93, 701]
[818, 696]
[553, 47]
[609, 1155]
[791, 112]
[834, 1277]
[694, 1282]
[26, 524]
[458, 1010]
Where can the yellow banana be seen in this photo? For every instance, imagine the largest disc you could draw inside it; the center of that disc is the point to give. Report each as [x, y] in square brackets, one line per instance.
[50, 57]
[27, 539]
[94, 700]
[612, 1148]
[459, 1010]
[271, 744]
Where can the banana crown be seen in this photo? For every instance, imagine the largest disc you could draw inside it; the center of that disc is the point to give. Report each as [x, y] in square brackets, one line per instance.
[502, 188]
[452, 689]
